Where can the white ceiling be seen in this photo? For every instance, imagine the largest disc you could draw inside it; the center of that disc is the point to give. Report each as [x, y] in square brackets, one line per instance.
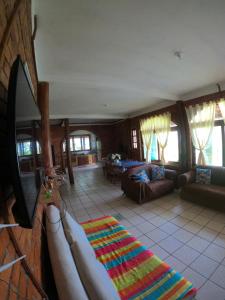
[113, 58]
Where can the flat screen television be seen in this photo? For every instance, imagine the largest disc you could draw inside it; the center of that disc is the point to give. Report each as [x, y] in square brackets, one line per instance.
[22, 114]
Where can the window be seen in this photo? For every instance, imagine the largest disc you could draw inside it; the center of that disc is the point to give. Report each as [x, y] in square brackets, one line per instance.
[79, 143]
[134, 138]
[24, 148]
[171, 150]
[214, 152]
[172, 147]
[154, 153]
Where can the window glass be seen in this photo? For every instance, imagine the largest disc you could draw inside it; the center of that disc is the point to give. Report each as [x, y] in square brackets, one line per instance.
[214, 152]
[77, 144]
[154, 149]
[172, 147]
[134, 138]
[24, 148]
[87, 143]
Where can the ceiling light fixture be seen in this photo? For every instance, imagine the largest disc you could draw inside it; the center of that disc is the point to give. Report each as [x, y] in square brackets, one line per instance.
[178, 54]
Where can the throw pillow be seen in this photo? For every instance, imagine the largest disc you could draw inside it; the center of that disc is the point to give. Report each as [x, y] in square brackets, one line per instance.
[93, 275]
[140, 176]
[203, 176]
[158, 173]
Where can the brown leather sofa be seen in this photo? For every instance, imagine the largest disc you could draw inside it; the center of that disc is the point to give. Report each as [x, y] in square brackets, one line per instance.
[143, 192]
[211, 195]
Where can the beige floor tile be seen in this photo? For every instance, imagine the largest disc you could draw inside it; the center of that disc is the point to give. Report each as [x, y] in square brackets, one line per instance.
[215, 226]
[186, 254]
[193, 227]
[145, 227]
[204, 265]
[157, 235]
[170, 244]
[198, 243]
[183, 235]
[210, 291]
[218, 276]
[215, 252]
[169, 227]
[207, 234]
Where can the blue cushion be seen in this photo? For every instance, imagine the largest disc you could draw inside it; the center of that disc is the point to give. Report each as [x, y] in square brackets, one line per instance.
[158, 173]
[203, 176]
[140, 176]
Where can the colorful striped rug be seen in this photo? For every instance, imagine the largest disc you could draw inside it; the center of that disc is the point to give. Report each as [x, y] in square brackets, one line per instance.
[136, 272]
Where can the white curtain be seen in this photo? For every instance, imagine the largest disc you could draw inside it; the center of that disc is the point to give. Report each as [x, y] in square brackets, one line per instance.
[147, 129]
[162, 129]
[222, 107]
[201, 122]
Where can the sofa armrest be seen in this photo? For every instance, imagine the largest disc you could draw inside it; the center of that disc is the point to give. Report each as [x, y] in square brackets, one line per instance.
[186, 178]
[132, 188]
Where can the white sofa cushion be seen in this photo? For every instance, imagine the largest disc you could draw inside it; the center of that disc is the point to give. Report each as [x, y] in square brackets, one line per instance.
[74, 232]
[93, 274]
[67, 280]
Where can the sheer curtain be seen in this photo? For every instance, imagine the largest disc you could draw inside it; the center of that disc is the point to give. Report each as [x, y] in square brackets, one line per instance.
[147, 129]
[162, 129]
[222, 107]
[201, 122]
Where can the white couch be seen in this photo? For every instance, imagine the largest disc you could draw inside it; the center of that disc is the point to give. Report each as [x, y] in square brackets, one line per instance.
[78, 274]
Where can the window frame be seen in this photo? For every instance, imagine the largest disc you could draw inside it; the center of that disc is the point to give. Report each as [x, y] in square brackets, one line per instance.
[168, 163]
[32, 142]
[132, 139]
[82, 137]
[222, 125]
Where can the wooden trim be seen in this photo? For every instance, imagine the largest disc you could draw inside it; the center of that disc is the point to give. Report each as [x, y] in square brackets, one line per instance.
[9, 26]
[207, 98]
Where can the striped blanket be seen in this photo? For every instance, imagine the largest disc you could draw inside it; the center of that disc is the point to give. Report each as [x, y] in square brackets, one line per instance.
[135, 271]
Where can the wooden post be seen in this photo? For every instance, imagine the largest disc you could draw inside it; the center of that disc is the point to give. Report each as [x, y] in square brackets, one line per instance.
[34, 145]
[185, 138]
[43, 102]
[62, 157]
[68, 153]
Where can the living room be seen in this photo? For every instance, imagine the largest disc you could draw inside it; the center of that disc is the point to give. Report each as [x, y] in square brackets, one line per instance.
[112, 139]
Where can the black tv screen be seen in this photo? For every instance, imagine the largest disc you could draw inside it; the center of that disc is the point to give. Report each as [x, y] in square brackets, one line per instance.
[24, 150]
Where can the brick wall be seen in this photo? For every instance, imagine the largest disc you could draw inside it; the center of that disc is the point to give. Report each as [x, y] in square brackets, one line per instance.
[15, 38]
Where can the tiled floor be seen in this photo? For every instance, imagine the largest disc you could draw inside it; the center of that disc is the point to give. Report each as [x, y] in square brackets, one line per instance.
[189, 237]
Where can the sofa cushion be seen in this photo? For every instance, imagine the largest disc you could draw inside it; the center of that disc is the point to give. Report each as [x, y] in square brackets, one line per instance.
[66, 277]
[203, 176]
[93, 274]
[74, 232]
[209, 195]
[207, 190]
[158, 173]
[159, 187]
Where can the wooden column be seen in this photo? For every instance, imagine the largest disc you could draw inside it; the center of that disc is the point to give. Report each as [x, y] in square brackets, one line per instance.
[34, 145]
[62, 157]
[185, 138]
[43, 102]
[68, 153]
